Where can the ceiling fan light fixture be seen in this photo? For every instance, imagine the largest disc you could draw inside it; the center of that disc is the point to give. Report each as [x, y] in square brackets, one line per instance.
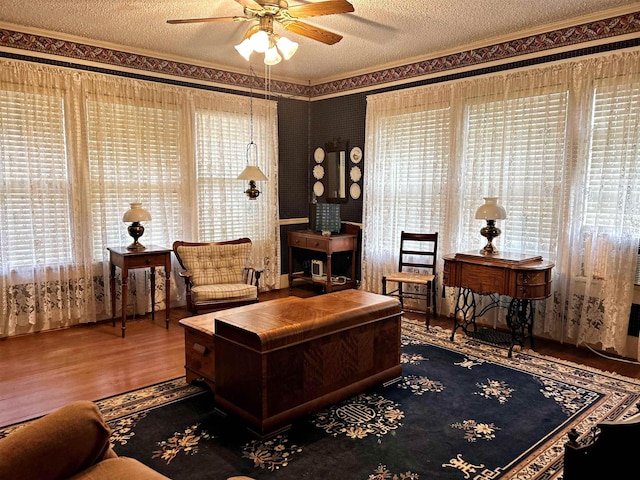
[245, 48]
[287, 47]
[272, 56]
[260, 37]
[260, 41]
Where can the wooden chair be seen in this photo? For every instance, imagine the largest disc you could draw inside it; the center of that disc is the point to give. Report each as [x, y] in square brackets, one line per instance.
[416, 267]
[216, 274]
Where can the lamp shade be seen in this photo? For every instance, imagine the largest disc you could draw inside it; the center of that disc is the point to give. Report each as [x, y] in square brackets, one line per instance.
[136, 214]
[260, 41]
[271, 56]
[287, 47]
[252, 173]
[490, 210]
[245, 48]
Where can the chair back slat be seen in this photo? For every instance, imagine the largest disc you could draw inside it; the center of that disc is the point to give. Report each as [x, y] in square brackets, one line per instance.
[422, 245]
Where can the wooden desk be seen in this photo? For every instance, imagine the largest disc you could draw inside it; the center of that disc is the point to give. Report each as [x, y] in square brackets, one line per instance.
[272, 362]
[312, 241]
[524, 278]
[152, 257]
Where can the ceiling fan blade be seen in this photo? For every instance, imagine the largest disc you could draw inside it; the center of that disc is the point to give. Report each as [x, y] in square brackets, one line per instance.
[210, 19]
[320, 8]
[250, 4]
[315, 33]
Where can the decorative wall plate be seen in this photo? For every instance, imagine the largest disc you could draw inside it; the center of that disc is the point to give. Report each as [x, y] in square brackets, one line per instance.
[318, 189]
[318, 172]
[355, 154]
[355, 173]
[318, 155]
[354, 191]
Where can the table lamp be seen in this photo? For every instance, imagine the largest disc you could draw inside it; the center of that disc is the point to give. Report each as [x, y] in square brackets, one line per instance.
[135, 215]
[490, 211]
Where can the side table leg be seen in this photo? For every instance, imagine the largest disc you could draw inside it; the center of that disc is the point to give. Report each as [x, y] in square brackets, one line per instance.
[112, 287]
[153, 294]
[167, 291]
[290, 269]
[125, 294]
[329, 284]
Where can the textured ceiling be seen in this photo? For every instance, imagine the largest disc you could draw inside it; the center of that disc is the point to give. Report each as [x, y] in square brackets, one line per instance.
[378, 34]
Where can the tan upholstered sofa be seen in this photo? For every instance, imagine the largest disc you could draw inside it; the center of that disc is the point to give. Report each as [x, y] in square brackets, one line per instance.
[70, 443]
[216, 274]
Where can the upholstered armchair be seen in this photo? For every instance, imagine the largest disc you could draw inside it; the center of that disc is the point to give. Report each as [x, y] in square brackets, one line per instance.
[216, 274]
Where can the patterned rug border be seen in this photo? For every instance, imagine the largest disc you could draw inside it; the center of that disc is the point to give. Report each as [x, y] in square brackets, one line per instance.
[147, 398]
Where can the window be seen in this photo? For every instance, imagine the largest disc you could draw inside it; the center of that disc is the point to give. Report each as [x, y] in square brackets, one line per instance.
[221, 155]
[614, 158]
[416, 150]
[34, 185]
[134, 155]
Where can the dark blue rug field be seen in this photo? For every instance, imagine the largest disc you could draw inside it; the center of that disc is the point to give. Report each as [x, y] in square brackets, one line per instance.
[462, 410]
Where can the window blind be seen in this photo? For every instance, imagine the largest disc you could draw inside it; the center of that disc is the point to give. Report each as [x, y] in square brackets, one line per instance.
[34, 184]
[514, 149]
[614, 157]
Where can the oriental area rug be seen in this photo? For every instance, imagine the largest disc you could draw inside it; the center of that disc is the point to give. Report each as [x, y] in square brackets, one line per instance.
[462, 410]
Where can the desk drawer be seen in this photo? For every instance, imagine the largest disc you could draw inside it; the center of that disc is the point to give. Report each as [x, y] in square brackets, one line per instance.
[531, 278]
[533, 285]
[532, 292]
[146, 261]
[297, 241]
[198, 350]
[318, 243]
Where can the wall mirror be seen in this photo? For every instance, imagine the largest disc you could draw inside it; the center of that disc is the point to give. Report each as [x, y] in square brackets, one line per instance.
[336, 171]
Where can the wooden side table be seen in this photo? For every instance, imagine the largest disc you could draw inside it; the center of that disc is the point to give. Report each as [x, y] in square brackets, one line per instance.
[153, 256]
[309, 240]
[524, 278]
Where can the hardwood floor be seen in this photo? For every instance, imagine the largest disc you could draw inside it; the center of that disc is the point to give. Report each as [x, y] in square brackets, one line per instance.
[44, 371]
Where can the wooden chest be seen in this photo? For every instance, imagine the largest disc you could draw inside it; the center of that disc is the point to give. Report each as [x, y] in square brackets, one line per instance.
[275, 361]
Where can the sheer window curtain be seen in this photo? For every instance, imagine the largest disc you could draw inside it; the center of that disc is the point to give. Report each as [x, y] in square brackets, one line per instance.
[407, 177]
[557, 144]
[77, 148]
[220, 156]
[46, 277]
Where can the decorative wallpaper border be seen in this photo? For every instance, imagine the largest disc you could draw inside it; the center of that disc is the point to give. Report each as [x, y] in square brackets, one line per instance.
[587, 32]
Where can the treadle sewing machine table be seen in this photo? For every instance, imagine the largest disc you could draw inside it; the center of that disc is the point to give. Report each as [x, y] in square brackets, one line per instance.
[271, 362]
[522, 277]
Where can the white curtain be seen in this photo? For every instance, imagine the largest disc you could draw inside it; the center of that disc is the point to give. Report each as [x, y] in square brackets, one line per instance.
[557, 144]
[78, 147]
[224, 212]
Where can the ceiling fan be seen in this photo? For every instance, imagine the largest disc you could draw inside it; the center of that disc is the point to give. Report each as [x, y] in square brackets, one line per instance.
[265, 12]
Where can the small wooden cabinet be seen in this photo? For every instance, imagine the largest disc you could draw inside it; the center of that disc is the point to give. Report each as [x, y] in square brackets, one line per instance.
[327, 245]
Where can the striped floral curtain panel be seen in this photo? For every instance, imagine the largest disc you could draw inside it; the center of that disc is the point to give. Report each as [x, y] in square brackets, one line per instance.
[559, 146]
[78, 147]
